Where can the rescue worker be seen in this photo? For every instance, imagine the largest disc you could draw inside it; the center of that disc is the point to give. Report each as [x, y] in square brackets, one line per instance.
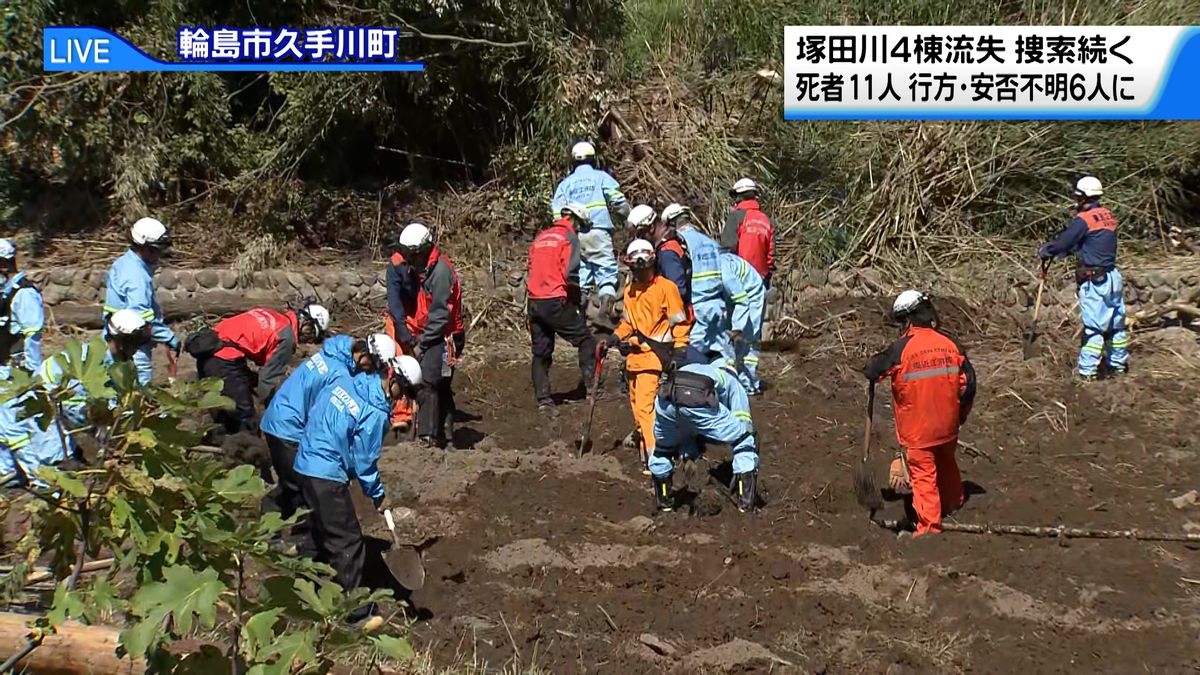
[266, 337]
[708, 334]
[341, 356]
[1092, 236]
[652, 333]
[598, 192]
[130, 285]
[342, 440]
[439, 329]
[746, 294]
[701, 402]
[748, 231]
[670, 252]
[126, 333]
[22, 316]
[933, 388]
[403, 287]
[554, 297]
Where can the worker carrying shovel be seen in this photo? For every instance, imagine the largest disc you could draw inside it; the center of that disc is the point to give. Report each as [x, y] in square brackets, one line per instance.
[1092, 236]
[933, 388]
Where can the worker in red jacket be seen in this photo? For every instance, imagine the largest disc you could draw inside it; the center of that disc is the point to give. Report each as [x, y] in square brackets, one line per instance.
[933, 388]
[748, 231]
[439, 331]
[554, 298]
[268, 338]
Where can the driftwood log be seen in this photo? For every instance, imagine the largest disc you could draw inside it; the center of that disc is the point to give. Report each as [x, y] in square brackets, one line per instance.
[76, 649]
[218, 303]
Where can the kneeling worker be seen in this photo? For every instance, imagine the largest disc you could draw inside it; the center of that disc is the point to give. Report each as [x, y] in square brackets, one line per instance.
[704, 402]
[933, 388]
[342, 440]
[283, 423]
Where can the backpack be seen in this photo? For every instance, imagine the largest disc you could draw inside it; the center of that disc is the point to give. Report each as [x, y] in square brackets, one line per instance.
[690, 390]
[204, 342]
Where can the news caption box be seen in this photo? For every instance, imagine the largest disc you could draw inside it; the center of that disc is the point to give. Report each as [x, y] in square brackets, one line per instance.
[991, 72]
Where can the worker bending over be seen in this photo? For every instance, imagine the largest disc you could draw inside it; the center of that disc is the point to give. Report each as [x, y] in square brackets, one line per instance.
[554, 297]
[264, 336]
[748, 231]
[652, 332]
[1092, 237]
[746, 294]
[130, 285]
[438, 327]
[22, 316]
[933, 388]
[598, 192]
[704, 402]
[342, 440]
[341, 357]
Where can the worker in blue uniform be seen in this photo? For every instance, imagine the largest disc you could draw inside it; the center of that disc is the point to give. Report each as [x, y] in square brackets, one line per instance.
[130, 285]
[746, 294]
[22, 315]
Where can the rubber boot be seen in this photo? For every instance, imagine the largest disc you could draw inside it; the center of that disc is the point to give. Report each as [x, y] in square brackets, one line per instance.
[745, 490]
[663, 500]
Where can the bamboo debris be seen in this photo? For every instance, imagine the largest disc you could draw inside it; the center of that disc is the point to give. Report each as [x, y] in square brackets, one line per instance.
[1052, 531]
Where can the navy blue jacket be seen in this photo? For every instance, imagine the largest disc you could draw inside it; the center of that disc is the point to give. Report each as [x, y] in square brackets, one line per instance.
[1092, 235]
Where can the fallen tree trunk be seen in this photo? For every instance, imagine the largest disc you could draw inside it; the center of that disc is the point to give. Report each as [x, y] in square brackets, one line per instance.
[1054, 531]
[217, 303]
[76, 649]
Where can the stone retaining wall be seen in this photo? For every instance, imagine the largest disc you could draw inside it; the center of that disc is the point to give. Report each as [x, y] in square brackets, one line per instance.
[1144, 286]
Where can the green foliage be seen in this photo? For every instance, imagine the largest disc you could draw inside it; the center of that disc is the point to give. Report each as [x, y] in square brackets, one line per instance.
[192, 554]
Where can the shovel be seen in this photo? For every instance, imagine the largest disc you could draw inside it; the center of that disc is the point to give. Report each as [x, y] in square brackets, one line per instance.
[1027, 347]
[866, 486]
[404, 562]
[585, 440]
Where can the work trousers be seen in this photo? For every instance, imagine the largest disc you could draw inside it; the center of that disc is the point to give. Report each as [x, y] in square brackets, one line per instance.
[435, 403]
[336, 534]
[643, 388]
[680, 431]
[710, 332]
[598, 263]
[551, 317]
[287, 481]
[239, 385]
[936, 484]
[1102, 308]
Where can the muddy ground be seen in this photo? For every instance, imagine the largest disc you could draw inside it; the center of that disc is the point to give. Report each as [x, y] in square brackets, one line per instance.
[542, 558]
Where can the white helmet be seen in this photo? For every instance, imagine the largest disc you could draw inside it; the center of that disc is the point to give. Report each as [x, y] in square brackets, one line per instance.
[125, 322]
[149, 232]
[582, 151]
[415, 236]
[8, 250]
[673, 211]
[907, 301]
[407, 367]
[640, 253]
[641, 216]
[576, 209]
[318, 315]
[744, 185]
[382, 347]
[1089, 186]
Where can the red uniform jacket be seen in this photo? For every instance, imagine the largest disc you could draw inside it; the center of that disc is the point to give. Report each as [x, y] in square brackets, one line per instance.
[933, 386]
[263, 336]
[750, 234]
[553, 262]
[439, 304]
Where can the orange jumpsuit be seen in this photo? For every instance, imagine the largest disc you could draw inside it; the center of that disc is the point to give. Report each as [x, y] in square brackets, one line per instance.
[654, 323]
[933, 388]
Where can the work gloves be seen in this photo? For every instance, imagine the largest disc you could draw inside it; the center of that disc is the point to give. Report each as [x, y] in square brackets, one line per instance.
[1044, 252]
[898, 476]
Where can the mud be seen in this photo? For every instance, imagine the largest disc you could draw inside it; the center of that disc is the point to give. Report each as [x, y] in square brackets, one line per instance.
[539, 557]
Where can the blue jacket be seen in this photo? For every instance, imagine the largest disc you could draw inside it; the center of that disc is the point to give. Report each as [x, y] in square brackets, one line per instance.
[130, 285]
[344, 434]
[744, 288]
[26, 318]
[1092, 235]
[594, 189]
[288, 411]
[24, 441]
[706, 266]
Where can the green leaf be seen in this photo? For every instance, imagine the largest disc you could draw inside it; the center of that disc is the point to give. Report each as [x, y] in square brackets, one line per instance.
[67, 604]
[240, 485]
[307, 593]
[287, 649]
[139, 637]
[67, 482]
[259, 632]
[393, 647]
[143, 438]
[186, 594]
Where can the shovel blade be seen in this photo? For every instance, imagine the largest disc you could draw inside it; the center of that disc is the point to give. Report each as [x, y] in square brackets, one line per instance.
[405, 564]
[1028, 348]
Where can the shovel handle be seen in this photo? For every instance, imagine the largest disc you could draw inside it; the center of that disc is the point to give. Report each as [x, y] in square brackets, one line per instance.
[870, 421]
[391, 523]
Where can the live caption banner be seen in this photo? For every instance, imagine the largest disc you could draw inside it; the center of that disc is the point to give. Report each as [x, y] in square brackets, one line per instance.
[991, 72]
[88, 48]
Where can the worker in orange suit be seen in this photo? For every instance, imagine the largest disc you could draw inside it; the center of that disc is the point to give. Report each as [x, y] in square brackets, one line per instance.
[403, 287]
[652, 334]
[933, 388]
